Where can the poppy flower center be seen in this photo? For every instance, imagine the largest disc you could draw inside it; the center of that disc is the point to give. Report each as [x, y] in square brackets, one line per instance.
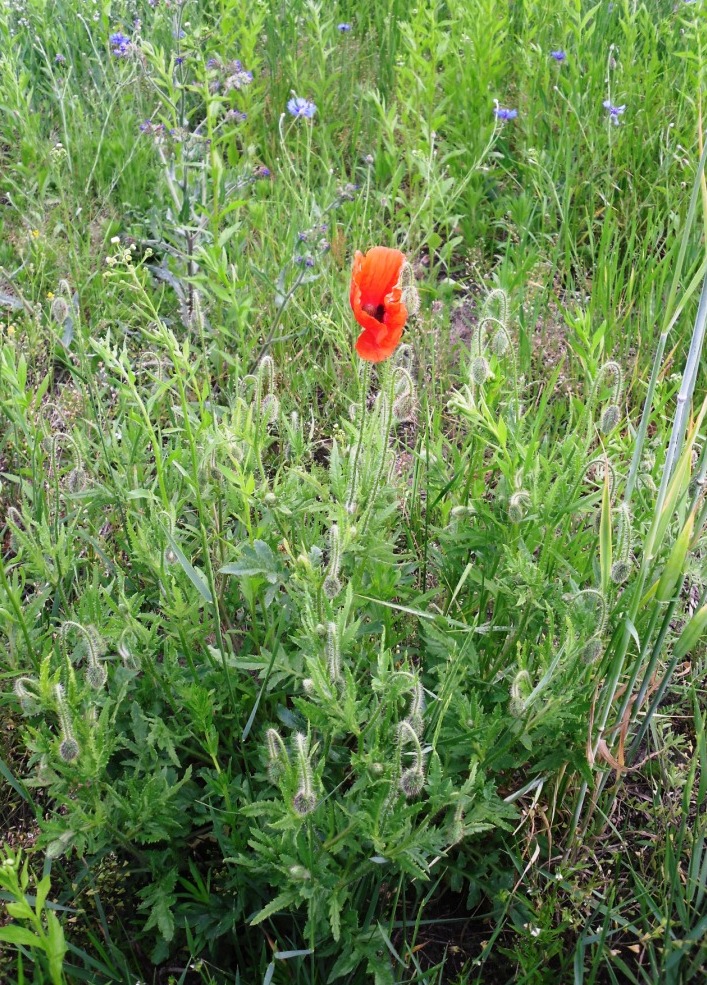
[376, 311]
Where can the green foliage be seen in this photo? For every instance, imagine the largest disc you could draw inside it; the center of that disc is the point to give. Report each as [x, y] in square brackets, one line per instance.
[297, 650]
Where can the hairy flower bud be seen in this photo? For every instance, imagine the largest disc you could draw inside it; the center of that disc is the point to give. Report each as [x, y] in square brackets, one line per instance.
[278, 760]
[412, 781]
[60, 310]
[620, 570]
[305, 799]
[480, 370]
[304, 802]
[520, 692]
[69, 749]
[333, 653]
[500, 343]
[592, 650]
[609, 419]
[26, 689]
[332, 584]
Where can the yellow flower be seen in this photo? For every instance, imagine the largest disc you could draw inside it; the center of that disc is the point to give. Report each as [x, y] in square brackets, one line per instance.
[35, 234]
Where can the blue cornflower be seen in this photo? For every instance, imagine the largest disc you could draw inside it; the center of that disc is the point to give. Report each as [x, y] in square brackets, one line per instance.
[146, 127]
[262, 172]
[344, 28]
[613, 111]
[179, 60]
[505, 114]
[558, 55]
[301, 108]
[119, 43]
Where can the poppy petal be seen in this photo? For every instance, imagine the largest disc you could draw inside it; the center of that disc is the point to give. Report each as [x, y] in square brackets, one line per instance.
[375, 297]
[378, 273]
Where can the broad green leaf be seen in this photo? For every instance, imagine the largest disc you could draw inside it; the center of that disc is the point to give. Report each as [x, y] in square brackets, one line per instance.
[691, 634]
[19, 935]
[675, 565]
[195, 577]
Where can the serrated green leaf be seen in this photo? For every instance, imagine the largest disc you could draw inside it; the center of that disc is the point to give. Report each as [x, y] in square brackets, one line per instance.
[281, 902]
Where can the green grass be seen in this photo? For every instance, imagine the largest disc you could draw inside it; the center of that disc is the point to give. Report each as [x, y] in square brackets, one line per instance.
[313, 671]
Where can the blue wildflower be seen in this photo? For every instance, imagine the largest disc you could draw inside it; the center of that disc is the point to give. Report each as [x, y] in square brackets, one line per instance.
[348, 192]
[309, 262]
[120, 43]
[505, 114]
[344, 28]
[237, 77]
[613, 111]
[59, 58]
[179, 60]
[558, 55]
[262, 172]
[235, 116]
[154, 129]
[213, 63]
[301, 108]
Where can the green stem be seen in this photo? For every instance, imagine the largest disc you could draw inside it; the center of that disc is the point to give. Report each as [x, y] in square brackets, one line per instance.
[387, 423]
[360, 424]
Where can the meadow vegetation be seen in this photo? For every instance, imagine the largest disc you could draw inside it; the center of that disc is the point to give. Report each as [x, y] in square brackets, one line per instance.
[321, 669]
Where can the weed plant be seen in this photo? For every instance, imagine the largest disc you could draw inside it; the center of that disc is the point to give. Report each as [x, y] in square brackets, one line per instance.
[316, 669]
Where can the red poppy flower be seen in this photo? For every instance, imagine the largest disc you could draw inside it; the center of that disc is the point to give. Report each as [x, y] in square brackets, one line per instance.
[376, 302]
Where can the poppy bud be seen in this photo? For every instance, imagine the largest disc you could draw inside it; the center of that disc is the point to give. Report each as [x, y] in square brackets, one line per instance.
[333, 653]
[26, 689]
[516, 505]
[305, 799]
[69, 748]
[480, 370]
[278, 760]
[412, 781]
[592, 650]
[520, 692]
[609, 419]
[500, 343]
[332, 585]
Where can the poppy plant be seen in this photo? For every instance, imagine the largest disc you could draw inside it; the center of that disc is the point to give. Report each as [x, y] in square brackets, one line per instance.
[376, 301]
